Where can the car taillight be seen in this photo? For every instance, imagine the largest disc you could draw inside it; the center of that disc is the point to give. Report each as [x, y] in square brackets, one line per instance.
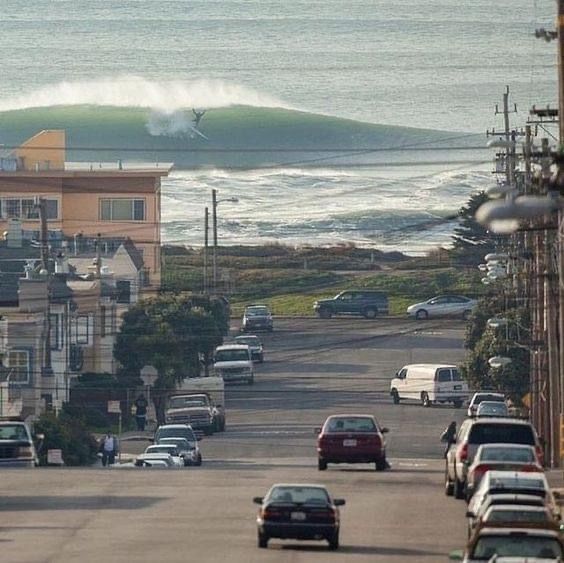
[267, 513]
[463, 452]
[530, 468]
[481, 469]
[540, 455]
[330, 514]
[375, 440]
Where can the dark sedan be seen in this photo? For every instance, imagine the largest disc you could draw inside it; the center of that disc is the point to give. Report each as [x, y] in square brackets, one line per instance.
[300, 512]
[356, 438]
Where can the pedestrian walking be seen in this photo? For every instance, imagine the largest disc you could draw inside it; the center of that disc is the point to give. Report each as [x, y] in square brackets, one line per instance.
[109, 449]
[141, 412]
[449, 436]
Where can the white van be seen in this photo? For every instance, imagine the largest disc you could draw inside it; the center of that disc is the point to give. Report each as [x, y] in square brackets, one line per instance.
[429, 383]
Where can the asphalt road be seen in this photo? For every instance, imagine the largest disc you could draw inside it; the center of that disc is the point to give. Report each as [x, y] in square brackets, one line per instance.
[313, 368]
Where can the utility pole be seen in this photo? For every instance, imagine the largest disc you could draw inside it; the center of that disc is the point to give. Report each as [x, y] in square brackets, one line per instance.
[206, 230]
[47, 368]
[98, 256]
[214, 226]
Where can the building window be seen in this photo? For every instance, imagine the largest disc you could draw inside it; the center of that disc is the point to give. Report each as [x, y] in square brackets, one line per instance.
[122, 209]
[82, 329]
[55, 331]
[27, 209]
[18, 366]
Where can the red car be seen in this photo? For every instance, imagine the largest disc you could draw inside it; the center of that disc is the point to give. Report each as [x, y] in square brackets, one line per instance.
[351, 438]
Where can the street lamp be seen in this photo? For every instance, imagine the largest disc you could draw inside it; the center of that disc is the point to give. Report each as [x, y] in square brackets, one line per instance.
[215, 202]
[499, 361]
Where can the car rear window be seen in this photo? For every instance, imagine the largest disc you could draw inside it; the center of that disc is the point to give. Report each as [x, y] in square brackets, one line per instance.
[518, 515]
[301, 495]
[516, 545]
[501, 434]
[351, 424]
[487, 397]
[518, 455]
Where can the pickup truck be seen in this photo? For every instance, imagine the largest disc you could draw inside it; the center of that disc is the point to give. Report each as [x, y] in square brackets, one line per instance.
[196, 409]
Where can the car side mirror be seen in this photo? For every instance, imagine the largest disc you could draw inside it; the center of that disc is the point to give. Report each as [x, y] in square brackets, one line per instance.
[456, 555]
[317, 430]
[40, 437]
[257, 500]
[384, 430]
[339, 502]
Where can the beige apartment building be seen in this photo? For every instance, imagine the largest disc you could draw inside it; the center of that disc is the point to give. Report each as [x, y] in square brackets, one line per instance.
[85, 200]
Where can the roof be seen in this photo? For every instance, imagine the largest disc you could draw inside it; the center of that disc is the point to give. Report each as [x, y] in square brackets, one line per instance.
[134, 254]
[232, 347]
[430, 366]
[508, 446]
[300, 485]
[500, 420]
[352, 414]
[511, 530]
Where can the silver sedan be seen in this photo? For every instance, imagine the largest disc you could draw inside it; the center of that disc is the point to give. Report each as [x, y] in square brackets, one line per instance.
[443, 306]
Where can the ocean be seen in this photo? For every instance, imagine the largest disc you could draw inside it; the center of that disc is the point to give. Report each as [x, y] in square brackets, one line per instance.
[360, 122]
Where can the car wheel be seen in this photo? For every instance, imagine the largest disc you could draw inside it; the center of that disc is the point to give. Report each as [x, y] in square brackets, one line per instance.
[321, 464]
[370, 313]
[325, 313]
[261, 359]
[395, 397]
[198, 462]
[457, 404]
[458, 488]
[262, 541]
[466, 315]
[449, 487]
[222, 426]
[381, 464]
[421, 315]
[425, 401]
[334, 541]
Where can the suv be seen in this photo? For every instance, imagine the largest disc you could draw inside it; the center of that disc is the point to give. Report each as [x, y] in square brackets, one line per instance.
[364, 302]
[16, 445]
[477, 431]
[197, 410]
[257, 317]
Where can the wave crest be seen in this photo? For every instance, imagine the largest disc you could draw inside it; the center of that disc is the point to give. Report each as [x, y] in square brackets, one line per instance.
[135, 91]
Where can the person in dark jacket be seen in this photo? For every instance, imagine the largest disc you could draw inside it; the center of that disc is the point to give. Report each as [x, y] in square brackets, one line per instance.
[141, 412]
[449, 436]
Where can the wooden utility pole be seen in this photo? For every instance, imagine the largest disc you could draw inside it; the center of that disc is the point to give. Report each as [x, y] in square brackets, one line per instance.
[47, 368]
[206, 244]
[214, 227]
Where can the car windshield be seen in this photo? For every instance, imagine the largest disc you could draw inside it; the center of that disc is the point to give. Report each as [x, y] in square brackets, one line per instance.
[248, 340]
[300, 495]
[517, 515]
[257, 312]
[497, 483]
[518, 455]
[232, 356]
[175, 432]
[178, 442]
[351, 424]
[493, 408]
[13, 432]
[516, 545]
[163, 448]
[502, 434]
[187, 402]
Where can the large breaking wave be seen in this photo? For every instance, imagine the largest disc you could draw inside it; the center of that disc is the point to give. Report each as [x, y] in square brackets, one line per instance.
[135, 119]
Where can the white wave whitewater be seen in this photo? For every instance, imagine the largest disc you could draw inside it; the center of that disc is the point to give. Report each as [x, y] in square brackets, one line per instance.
[391, 211]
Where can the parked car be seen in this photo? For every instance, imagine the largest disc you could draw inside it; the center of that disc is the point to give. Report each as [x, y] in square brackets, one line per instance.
[162, 460]
[351, 438]
[492, 408]
[363, 302]
[175, 431]
[169, 449]
[17, 448]
[301, 512]
[500, 457]
[197, 410]
[233, 363]
[480, 396]
[255, 346]
[430, 384]
[495, 543]
[474, 432]
[257, 317]
[189, 451]
[443, 306]
[509, 482]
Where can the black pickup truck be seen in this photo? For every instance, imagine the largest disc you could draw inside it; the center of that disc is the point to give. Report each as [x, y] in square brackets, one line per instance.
[364, 302]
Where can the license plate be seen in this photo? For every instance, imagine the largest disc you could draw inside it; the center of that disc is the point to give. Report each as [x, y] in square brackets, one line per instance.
[457, 387]
[349, 443]
[299, 516]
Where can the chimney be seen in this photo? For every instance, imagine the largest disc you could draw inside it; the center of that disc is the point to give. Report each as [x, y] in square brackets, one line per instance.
[61, 263]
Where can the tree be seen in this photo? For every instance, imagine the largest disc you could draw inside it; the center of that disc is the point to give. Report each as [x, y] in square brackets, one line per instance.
[171, 333]
[472, 241]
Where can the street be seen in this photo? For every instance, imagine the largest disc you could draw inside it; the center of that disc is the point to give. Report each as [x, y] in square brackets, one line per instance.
[312, 368]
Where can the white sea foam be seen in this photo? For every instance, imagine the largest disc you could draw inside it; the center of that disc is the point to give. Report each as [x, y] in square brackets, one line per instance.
[135, 91]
